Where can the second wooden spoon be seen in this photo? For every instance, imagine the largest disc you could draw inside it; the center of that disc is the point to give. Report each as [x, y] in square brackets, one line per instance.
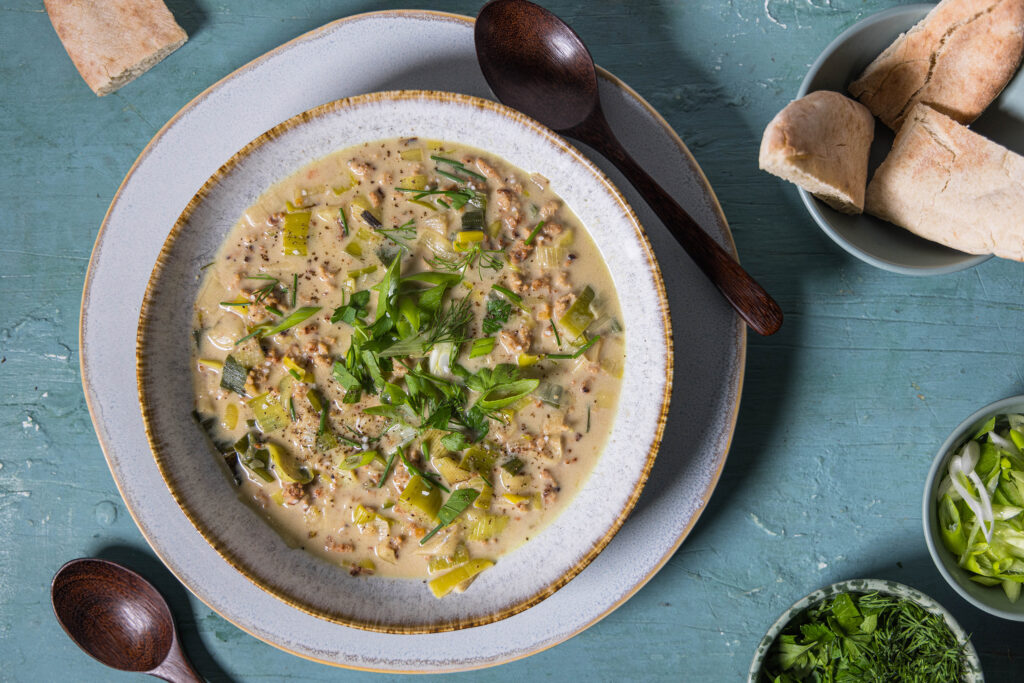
[535, 62]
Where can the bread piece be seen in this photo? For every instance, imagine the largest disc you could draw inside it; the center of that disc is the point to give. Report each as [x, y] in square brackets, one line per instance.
[113, 42]
[952, 186]
[821, 142]
[956, 60]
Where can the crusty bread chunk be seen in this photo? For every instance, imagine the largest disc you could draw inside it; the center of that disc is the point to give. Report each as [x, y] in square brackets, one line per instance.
[112, 42]
[956, 60]
[952, 186]
[821, 142]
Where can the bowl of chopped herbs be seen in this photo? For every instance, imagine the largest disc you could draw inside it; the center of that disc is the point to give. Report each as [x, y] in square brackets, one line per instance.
[865, 630]
[973, 509]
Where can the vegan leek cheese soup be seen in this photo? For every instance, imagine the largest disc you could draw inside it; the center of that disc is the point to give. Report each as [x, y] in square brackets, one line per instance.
[410, 353]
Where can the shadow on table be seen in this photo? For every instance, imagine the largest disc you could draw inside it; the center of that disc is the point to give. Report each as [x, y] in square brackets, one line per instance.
[995, 639]
[177, 597]
[189, 15]
[708, 119]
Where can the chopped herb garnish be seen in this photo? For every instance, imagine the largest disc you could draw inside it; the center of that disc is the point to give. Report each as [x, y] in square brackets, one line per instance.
[498, 312]
[588, 418]
[296, 317]
[513, 466]
[558, 339]
[452, 508]
[533, 233]
[344, 222]
[275, 310]
[459, 166]
[428, 478]
[402, 235]
[387, 469]
[579, 352]
[295, 288]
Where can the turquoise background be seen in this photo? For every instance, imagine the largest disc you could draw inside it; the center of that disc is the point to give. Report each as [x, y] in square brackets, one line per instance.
[841, 413]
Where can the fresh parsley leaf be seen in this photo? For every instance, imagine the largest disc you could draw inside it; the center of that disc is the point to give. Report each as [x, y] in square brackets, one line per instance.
[498, 312]
[455, 441]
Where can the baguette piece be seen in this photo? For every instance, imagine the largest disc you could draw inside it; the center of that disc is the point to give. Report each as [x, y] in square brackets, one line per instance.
[112, 42]
[956, 60]
[821, 142]
[950, 185]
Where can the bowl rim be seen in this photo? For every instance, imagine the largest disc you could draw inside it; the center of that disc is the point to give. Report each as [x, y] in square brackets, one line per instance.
[929, 514]
[814, 205]
[536, 129]
[973, 672]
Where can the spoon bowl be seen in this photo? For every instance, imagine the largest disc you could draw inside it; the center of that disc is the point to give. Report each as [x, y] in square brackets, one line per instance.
[119, 619]
[535, 62]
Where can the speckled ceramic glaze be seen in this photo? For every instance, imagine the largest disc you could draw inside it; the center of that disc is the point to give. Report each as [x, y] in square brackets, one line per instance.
[972, 665]
[195, 472]
[992, 599]
[871, 239]
[387, 51]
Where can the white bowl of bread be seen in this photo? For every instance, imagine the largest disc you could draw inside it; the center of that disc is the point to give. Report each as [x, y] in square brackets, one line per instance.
[924, 174]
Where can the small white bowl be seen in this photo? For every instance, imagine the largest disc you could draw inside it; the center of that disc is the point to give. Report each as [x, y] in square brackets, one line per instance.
[871, 239]
[991, 599]
[972, 665]
[197, 477]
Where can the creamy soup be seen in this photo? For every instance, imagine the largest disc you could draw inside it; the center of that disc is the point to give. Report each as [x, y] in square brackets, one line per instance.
[410, 353]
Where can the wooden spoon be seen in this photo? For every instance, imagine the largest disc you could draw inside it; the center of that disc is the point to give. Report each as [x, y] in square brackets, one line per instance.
[120, 619]
[535, 63]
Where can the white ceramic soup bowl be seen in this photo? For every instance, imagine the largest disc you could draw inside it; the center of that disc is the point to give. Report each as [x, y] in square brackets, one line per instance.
[196, 473]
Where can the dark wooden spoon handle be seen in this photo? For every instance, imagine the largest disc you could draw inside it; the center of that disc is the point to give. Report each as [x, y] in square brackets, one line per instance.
[745, 295]
[176, 668]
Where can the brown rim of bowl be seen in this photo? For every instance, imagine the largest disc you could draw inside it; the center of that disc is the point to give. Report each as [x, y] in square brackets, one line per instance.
[739, 359]
[143, 380]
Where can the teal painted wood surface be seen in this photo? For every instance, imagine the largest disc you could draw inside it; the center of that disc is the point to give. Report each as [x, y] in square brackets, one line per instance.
[841, 413]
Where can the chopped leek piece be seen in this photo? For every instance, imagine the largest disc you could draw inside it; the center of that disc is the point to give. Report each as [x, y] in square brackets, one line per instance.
[515, 499]
[479, 458]
[288, 469]
[234, 376]
[354, 248]
[414, 154]
[574, 322]
[446, 583]
[358, 460]
[269, 413]
[440, 563]
[525, 360]
[212, 364]
[483, 501]
[466, 239]
[473, 221]
[230, 419]
[297, 371]
[254, 459]
[513, 466]
[296, 230]
[420, 494]
[487, 526]
[249, 354]
[361, 515]
[552, 394]
[481, 347]
[450, 471]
